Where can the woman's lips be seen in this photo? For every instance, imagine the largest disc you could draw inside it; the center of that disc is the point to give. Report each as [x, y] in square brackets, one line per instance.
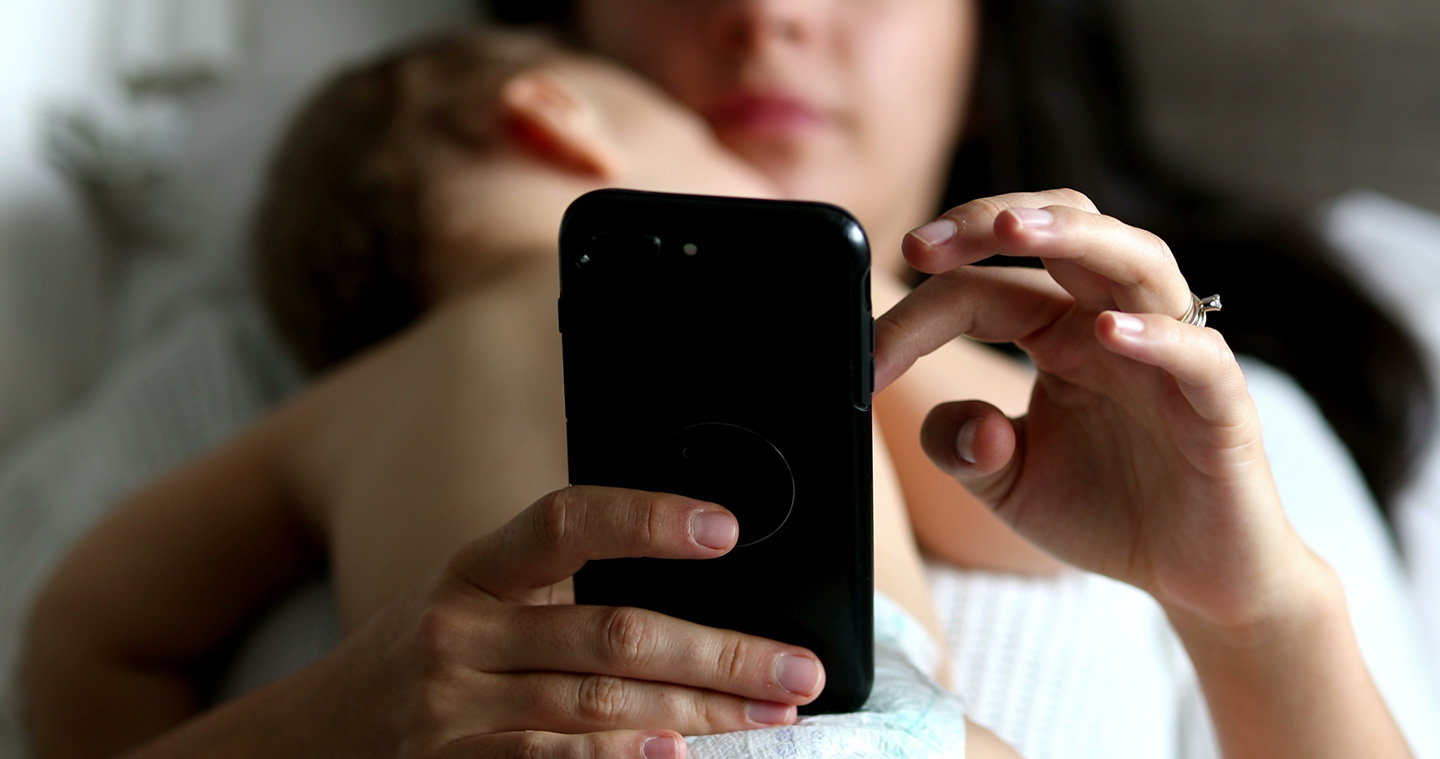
[764, 114]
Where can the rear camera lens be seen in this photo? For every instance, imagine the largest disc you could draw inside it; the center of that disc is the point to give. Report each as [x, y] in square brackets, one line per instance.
[621, 250]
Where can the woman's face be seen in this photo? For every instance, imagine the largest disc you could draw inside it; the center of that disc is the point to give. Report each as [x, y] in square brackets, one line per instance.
[855, 102]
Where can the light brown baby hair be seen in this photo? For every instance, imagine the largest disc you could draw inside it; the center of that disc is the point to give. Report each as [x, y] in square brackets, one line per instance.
[339, 231]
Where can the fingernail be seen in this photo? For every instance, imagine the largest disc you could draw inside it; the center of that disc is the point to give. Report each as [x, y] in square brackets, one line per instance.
[1033, 218]
[662, 748]
[766, 713]
[1126, 324]
[714, 529]
[965, 441]
[797, 674]
[937, 232]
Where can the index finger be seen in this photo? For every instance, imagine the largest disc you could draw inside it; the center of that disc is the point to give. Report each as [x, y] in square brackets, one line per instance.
[555, 536]
[991, 304]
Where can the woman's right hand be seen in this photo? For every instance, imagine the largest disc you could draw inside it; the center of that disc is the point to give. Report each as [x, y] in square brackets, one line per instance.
[478, 662]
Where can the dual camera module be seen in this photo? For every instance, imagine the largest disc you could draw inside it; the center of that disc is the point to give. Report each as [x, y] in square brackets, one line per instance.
[624, 250]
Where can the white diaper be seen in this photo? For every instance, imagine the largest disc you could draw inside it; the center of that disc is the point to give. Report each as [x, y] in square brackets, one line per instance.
[908, 715]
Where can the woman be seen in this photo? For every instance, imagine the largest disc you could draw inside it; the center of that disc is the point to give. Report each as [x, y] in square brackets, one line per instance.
[1263, 619]
[1050, 106]
[811, 92]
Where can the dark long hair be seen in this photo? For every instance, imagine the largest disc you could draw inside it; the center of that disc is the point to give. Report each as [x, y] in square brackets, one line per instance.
[1054, 108]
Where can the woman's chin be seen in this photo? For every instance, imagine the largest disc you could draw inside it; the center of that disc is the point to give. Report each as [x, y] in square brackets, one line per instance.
[798, 171]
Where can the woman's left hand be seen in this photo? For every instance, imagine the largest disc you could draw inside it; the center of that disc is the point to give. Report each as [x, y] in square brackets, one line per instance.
[1141, 456]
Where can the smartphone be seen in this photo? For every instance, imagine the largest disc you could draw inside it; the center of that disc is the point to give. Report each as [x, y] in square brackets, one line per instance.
[722, 349]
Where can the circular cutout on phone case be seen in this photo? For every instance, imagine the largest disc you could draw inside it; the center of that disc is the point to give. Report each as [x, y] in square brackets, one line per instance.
[736, 468]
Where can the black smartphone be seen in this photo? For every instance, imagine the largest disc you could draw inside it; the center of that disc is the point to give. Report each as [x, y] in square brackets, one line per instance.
[722, 349]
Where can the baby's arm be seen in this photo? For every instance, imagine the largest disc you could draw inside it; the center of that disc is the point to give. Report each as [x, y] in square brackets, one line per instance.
[124, 628]
[120, 635]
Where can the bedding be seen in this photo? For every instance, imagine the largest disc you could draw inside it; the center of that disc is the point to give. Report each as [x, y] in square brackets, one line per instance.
[73, 296]
[185, 390]
[1071, 666]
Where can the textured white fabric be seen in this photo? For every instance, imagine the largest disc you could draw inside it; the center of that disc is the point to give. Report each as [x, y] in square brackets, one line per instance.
[1075, 666]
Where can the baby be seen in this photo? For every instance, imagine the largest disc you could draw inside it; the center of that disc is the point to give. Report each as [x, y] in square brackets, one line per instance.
[409, 180]
[454, 167]
[406, 249]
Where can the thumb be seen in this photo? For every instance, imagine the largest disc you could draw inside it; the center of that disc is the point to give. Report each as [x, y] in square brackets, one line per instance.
[975, 443]
[552, 540]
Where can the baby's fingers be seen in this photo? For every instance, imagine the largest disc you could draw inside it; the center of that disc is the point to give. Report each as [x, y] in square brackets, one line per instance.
[1199, 359]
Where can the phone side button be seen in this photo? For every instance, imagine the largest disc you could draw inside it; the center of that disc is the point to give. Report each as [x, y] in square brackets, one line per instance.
[865, 378]
[560, 314]
[865, 385]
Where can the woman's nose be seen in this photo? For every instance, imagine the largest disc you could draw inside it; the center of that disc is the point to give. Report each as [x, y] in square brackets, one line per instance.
[749, 26]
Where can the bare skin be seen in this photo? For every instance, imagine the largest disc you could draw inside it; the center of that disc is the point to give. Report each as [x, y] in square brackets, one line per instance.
[389, 466]
[1119, 381]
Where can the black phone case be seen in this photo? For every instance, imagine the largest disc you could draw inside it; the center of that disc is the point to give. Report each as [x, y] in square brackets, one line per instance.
[721, 349]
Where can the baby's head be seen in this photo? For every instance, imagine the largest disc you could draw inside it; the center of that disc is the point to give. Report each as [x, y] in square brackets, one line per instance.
[404, 180]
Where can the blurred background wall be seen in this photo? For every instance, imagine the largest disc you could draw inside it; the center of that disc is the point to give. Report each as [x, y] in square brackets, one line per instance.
[48, 54]
[1295, 100]
[218, 78]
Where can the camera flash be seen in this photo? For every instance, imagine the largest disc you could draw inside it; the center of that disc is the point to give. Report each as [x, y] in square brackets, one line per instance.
[690, 249]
